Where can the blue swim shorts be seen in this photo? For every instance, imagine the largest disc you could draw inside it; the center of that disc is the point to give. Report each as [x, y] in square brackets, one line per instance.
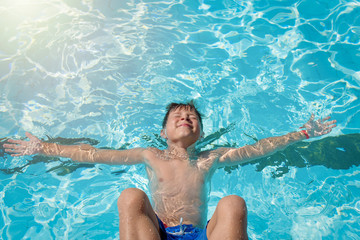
[183, 231]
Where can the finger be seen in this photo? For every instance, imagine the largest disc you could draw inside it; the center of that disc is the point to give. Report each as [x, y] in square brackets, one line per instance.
[30, 136]
[325, 131]
[11, 150]
[16, 155]
[325, 119]
[329, 130]
[312, 117]
[15, 141]
[329, 123]
[8, 145]
[14, 148]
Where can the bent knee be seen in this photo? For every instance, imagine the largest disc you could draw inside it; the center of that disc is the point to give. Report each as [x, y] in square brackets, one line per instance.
[233, 201]
[233, 205]
[131, 198]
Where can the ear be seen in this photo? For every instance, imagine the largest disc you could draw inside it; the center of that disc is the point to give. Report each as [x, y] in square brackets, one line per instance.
[163, 134]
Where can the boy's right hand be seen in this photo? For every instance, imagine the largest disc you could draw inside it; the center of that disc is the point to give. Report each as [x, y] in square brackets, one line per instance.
[21, 148]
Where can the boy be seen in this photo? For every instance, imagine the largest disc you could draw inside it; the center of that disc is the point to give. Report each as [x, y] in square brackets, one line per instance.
[176, 177]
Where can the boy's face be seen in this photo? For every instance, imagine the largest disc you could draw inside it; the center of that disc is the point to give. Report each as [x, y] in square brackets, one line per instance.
[182, 126]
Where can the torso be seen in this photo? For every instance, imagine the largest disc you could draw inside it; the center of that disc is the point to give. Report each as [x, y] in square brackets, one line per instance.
[178, 186]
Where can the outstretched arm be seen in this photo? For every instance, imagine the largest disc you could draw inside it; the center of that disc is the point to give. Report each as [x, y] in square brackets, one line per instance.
[267, 146]
[80, 153]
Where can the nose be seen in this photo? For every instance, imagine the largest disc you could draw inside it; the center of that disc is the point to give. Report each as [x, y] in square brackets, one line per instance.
[187, 117]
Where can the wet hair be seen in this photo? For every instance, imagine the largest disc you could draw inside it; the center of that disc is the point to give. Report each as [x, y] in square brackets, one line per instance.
[174, 106]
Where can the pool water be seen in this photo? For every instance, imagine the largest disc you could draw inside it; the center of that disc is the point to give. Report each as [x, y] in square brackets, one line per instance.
[102, 72]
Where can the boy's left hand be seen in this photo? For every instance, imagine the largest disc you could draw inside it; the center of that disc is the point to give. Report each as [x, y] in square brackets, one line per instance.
[318, 127]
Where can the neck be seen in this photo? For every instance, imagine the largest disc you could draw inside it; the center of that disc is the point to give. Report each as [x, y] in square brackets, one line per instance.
[181, 151]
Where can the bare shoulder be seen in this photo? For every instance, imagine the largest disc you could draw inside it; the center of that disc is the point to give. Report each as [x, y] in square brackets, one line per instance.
[214, 153]
[208, 160]
[152, 150]
[152, 154]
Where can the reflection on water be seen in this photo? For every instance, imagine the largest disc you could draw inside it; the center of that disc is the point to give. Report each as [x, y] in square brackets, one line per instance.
[106, 69]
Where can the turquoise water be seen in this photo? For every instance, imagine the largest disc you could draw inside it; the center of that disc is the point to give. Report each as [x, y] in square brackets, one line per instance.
[102, 72]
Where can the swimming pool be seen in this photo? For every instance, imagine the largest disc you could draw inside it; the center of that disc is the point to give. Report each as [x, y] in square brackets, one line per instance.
[101, 72]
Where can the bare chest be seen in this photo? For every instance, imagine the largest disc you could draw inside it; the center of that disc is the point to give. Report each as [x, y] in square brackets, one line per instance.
[178, 172]
[173, 176]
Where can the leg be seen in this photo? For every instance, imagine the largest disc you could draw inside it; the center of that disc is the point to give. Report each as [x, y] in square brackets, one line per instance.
[229, 220]
[137, 218]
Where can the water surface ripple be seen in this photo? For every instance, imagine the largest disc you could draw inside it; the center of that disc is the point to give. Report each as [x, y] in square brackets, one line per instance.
[105, 70]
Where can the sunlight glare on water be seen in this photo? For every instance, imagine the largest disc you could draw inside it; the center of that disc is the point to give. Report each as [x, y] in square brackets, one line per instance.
[102, 72]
